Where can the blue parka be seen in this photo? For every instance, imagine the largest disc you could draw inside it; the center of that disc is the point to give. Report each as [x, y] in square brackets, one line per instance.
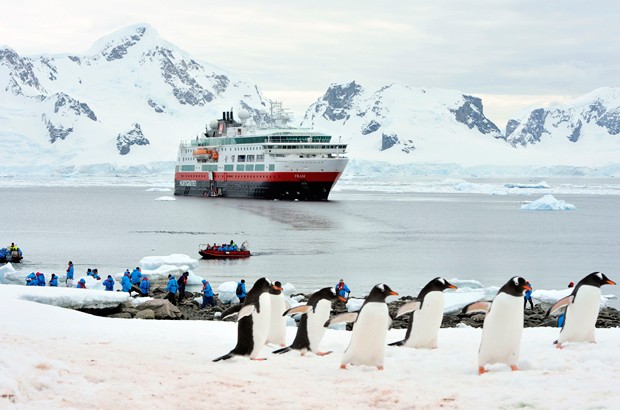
[109, 283]
[70, 272]
[136, 275]
[528, 293]
[173, 286]
[243, 291]
[145, 286]
[41, 279]
[54, 281]
[126, 283]
[342, 292]
[206, 289]
[31, 280]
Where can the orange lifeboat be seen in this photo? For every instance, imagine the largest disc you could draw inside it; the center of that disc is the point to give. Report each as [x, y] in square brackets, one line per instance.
[200, 152]
[215, 155]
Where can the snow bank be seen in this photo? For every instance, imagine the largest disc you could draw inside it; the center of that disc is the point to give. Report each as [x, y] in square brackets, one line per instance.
[158, 190]
[71, 298]
[154, 262]
[7, 269]
[227, 292]
[166, 198]
[548, 203]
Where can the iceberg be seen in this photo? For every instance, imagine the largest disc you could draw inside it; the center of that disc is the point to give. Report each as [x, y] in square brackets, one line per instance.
[548, 203]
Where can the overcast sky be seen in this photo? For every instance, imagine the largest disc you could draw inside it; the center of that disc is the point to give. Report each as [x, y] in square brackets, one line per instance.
[512, 54]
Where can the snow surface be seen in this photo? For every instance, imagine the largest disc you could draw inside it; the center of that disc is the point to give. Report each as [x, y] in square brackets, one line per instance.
[166, 198]
[548, 203]
[178, 259]
[59, 358]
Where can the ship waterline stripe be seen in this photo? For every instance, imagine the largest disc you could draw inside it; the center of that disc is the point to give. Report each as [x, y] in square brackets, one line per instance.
[259, 176]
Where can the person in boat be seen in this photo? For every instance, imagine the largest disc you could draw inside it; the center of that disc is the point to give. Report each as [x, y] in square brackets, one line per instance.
[54, 280]
[69, 281]
[109, 283]
[342, 289]
[81, 284]
[172, 289]
[207, 294]
[214, 247]
[126, 282]
[233, 246]
[31, 280]
[145, 286]
[241, 292]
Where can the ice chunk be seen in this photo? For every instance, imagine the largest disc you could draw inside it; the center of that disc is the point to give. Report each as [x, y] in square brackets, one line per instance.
[154, 262]
[548, 203]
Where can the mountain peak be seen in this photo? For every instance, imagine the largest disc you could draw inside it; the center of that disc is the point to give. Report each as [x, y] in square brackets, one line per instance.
[118, 44]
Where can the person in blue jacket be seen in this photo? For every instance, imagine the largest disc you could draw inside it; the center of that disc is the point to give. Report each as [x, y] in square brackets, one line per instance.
[31, 280]
[528, 297]
[81, 284]
[54, 280]
[96, 274]
[126, 282]
[145, 286]
[342, 289]
[109, 283]
[172, 289]
[136, 275]
[40, 279]
[69, 281]
[240, 291]
[207, 294]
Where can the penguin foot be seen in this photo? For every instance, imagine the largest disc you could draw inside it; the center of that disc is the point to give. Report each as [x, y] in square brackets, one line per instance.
[514, 368]
[323, 353]
[379, 367]
[559, 346]
[343, 366]
[481, 370]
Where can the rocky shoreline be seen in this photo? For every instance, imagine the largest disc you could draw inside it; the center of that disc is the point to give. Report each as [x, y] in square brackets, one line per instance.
[159, 308]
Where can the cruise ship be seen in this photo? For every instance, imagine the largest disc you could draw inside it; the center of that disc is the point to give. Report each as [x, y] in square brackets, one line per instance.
[240, 159]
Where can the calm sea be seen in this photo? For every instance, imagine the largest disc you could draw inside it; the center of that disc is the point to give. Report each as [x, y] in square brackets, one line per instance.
[402, 239]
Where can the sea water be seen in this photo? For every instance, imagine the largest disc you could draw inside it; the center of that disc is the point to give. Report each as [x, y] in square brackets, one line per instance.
[364, 236]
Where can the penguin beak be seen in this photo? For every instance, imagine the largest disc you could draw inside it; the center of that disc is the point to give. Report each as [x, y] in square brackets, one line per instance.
[452, 287]
[342, 299]
[277, 288]
[610, 282]
[527, 287]
[394, 293]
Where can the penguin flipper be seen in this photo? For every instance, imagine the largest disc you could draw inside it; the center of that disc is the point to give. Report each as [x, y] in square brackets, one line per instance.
[297, 309]
[408, 307]
[399, 343]
[246, 311]
[477, 307]
[230, 311]
[342, 318]
[281, 351]
[225, 357]
[560, 304]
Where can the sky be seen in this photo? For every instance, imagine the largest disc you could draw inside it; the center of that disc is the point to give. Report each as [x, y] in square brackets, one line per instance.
[515, 55]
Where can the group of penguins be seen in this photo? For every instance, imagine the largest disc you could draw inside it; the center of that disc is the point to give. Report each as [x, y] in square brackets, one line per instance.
[261, 320]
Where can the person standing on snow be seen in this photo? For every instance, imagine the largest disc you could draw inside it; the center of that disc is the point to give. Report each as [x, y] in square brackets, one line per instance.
[109, 283]
[207, 294]
[69, 281]
[528, 297]
[172, 289]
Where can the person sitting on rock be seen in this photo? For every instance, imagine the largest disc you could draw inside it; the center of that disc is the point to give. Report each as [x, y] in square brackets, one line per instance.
[81, 284]
[207, 294]
[136, 275]
[342, 289]
[54, 280]
[126, 282]
[172, 289]
[145, 286]
[109, 283]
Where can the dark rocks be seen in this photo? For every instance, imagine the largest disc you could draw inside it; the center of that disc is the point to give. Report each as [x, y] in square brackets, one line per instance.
[124, 142]
[471, 113]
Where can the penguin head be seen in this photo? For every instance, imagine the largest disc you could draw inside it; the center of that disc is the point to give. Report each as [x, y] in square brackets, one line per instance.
[596, 279]
[440, 284]
[380, 292]
[515, 286]
[276, 288]
[328, 293]
[262, 285]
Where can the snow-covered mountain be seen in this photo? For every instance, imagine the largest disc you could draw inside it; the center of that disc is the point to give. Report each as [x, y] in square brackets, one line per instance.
[127, 101]
[401, 124]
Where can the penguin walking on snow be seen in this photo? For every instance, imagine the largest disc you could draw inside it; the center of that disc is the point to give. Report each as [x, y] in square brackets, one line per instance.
[426, 315]
[277, 327]
[582, 308]
[503, 325]
[253, 321]
[314, 315]
[370, 328]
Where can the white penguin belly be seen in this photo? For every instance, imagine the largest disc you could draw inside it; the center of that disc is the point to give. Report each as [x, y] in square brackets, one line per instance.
[367, 344]
[316, 322]
[260, 324]
[277, 328]
[502, 330]
[581, 316]
[426, 322]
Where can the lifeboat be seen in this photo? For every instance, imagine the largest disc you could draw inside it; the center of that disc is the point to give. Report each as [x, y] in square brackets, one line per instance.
[200, 152]
[210, 253]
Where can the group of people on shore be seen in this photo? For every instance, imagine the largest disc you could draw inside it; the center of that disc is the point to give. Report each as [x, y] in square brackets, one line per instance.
[527, 298]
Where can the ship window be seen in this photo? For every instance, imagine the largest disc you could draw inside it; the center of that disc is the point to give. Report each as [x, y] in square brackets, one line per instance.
[259, 167]
[260, 158]
[240, 167]
[272, 167]
[250, 158]
[228, 167]
[240, 158]
[249, 167]
[232, 158]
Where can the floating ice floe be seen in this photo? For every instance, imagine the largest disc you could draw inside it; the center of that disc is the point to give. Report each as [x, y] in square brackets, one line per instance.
[158, 190]
[177, 259]
[166, 198]
[548, 203]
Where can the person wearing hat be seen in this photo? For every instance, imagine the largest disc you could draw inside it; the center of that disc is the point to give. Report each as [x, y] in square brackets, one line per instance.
[571, 285]
[40, 279]
[207, 294]
[69, 281]
[342, 289]
[81, 284]
[145, 286]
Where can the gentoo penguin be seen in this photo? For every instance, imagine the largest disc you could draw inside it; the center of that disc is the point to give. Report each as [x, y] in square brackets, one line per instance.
[426, 315]
[582, 308]
[277, 327]
[503, 325]
[253, 321]
[311, 330]
[372, 322]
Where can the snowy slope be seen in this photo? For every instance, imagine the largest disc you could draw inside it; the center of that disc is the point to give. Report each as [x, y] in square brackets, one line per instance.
[127, 101]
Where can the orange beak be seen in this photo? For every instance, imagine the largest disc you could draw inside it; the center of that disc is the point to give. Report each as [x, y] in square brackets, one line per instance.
[342, 299]
[277, 288]
[610, 282]
[527, 287]
[394, 293]
[452, 287]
